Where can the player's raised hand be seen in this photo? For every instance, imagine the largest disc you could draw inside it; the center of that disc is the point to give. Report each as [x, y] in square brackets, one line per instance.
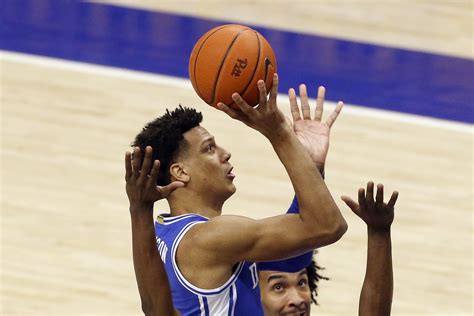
[266, 117]
[141, 178]
[374, 212]
[312, 132]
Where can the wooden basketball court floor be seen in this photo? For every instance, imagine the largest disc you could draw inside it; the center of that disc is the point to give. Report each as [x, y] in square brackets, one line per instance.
[65, 227]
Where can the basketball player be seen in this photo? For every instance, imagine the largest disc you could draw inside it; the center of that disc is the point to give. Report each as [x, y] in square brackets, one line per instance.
[287, 286]
[209, 258]
[291, 284]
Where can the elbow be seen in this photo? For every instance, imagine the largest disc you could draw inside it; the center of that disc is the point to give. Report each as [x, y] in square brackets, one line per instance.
[147, 308]
[331, 232]
[336, 226]
[339, 229]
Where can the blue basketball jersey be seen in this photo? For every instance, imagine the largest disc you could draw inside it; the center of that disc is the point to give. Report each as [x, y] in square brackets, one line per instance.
[240, 295]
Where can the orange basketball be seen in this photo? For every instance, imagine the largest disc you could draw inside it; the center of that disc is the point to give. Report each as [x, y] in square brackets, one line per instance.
[231, 58]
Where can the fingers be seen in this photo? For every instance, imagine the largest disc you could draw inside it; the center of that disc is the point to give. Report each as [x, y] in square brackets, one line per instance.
[295, 111]
[393, 199]
[229, 111]
[320, 103]
[154, 172]
[304, 102]
[271, 104]
[361, 197]
[242, 104]
[145, 170]
[351, 203]
[262, 90]
[370, 194]
[136, 162]
[332, 118]
[167, 189]
[379, 196]
[128, 165]
[140, 171]
[289, 121]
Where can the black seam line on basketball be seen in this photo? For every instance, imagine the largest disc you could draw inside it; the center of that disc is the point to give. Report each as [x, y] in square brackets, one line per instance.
[197, 56]
[268, 63]
[256, 66]
[222, 64]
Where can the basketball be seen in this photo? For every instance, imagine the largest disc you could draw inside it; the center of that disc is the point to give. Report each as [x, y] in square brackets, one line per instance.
[231, 58]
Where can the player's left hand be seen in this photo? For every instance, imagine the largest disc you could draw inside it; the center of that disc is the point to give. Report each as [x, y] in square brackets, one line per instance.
[375, 213]
[140, 178]
[312, 133]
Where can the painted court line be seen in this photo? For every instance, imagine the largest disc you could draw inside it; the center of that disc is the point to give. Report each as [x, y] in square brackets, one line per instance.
[186, 84]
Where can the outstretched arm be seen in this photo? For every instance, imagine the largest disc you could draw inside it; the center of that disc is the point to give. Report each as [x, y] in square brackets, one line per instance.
[319, 221]
[313, 133]
[142, 191]
[377, 290]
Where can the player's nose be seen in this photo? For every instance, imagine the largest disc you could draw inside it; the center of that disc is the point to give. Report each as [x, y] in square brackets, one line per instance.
[226, 155]
[295, 299]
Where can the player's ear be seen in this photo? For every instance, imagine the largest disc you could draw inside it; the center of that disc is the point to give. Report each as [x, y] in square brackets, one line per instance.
[178, 172]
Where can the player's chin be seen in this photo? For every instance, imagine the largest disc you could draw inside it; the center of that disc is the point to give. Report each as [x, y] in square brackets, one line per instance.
[232, 188]
[230, 182]
[228, 189]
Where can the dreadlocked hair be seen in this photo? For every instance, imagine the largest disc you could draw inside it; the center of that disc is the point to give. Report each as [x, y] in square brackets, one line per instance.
[165, 135]
[313, 271]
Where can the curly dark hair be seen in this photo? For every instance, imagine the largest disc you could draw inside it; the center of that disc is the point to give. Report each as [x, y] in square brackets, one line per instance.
[313, 278]
[165, 135]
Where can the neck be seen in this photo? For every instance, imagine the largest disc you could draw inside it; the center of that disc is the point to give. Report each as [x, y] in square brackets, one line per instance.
[185, 202]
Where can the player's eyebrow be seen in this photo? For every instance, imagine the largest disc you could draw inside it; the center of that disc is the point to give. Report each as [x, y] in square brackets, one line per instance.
[274, 277]
[206, 140]
[280, 276]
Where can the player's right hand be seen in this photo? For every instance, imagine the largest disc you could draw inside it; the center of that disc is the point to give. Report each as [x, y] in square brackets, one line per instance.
[375, 213]
[313, 133]
[140, 179]
[266, 117]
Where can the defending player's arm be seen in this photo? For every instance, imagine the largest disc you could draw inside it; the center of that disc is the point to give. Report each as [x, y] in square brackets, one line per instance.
[319, 222]
[142, 192]
[377, 290]
[313, 134]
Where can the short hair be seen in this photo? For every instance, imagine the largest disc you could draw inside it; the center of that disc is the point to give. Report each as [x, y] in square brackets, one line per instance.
[165, 135]
[313, 279]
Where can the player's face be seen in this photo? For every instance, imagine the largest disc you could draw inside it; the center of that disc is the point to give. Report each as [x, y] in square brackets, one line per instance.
[285, 293]
[208, 165]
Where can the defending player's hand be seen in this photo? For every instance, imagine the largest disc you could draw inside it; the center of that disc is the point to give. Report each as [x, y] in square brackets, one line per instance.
[375, 213]
[141, 179]
[266, 117]
[312, 133]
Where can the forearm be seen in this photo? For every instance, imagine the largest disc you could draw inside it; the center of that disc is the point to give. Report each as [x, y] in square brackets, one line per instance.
[294, 206]
[377, 290]
[151, 277]
[317, 207]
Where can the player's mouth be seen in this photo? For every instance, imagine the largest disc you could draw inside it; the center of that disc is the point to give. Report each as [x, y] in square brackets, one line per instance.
[229, 174]
[297, 313]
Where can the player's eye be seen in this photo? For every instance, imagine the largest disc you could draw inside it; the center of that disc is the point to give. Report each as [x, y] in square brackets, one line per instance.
[210, 147]
[277, 288]
[302, 282]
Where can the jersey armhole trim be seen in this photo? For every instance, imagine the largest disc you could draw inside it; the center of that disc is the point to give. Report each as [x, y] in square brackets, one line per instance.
[188, 285]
